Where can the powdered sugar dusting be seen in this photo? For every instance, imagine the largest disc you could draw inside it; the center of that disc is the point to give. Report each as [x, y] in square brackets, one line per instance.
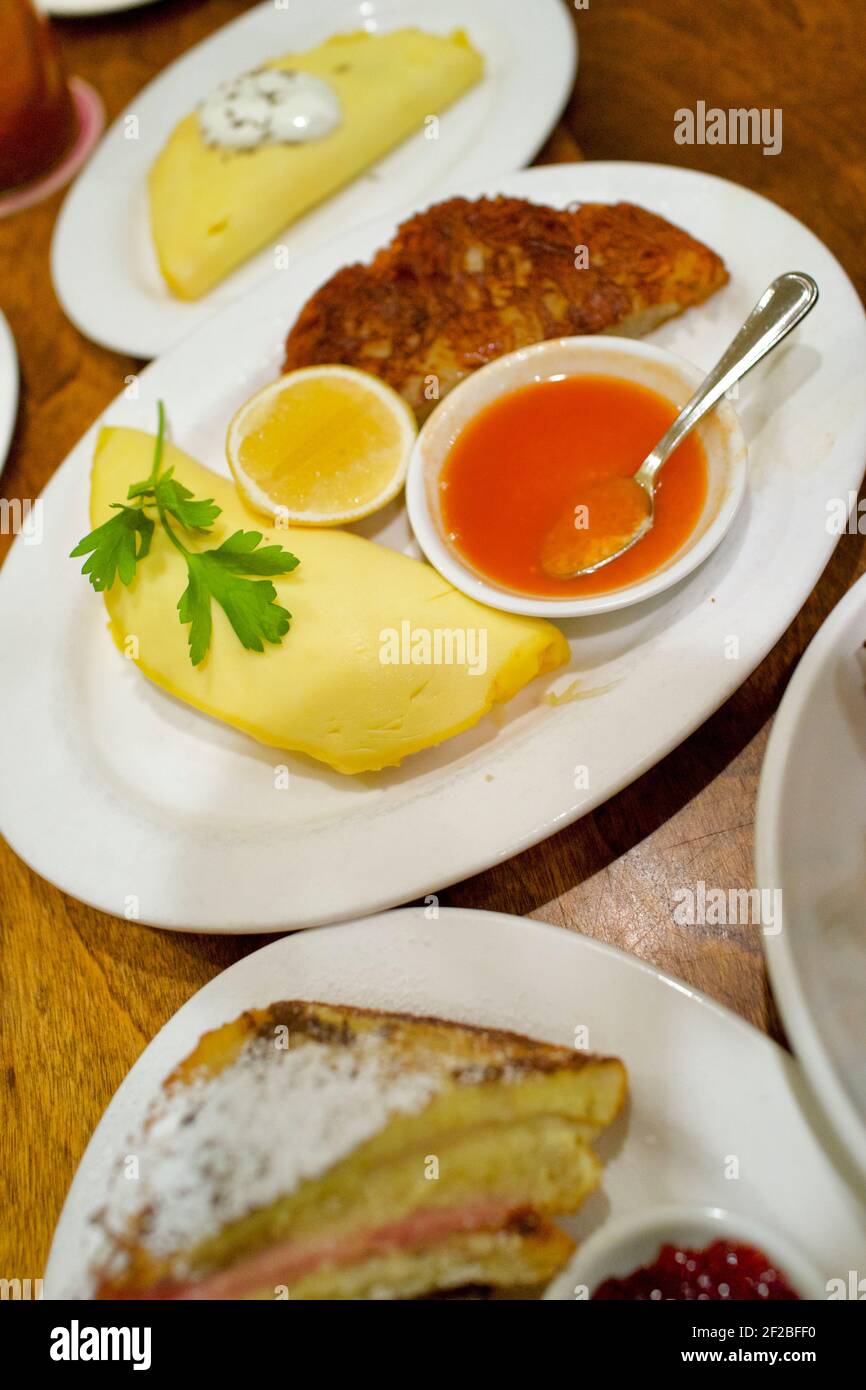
[223, 1146]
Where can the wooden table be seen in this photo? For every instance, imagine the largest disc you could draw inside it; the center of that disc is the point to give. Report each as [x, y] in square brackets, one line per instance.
[83, 993]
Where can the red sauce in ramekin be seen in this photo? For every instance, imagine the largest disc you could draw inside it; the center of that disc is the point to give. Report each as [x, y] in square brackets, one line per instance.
[521, 463]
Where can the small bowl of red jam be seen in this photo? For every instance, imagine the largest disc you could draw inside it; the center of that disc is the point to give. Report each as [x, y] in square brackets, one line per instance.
[687, 1254]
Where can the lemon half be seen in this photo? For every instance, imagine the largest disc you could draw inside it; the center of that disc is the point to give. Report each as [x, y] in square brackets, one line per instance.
[321, 446]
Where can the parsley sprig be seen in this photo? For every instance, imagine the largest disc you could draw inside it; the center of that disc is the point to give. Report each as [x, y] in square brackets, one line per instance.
[223, 574]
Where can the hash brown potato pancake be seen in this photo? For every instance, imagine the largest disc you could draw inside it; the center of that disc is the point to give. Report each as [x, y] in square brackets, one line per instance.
[465, 282]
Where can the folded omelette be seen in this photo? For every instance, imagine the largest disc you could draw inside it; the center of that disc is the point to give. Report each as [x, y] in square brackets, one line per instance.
[370, 669]
[211, 208]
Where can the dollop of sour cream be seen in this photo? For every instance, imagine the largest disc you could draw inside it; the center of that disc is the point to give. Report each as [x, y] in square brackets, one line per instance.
[268, 106]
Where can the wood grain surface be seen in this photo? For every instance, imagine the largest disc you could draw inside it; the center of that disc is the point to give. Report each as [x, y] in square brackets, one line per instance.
[81, 993]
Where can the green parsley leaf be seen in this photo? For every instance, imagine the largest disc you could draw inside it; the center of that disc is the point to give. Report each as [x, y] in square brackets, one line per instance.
[115, 547]
[222, 573]
[176, 499]
[240, 553]
[144, 489]
[249, 604]
[194, 608]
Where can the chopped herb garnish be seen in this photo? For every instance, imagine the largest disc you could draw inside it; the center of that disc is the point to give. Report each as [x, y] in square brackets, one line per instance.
[222, 574]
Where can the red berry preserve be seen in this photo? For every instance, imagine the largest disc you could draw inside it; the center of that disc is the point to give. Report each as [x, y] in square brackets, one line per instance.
[723, 1271]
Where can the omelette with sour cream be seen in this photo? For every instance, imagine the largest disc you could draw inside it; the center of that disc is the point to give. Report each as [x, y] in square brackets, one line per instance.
[383, 657]
[264, 148]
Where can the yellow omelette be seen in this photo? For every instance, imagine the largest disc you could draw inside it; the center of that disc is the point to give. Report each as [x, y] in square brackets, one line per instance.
[383, 656]
[211, 208]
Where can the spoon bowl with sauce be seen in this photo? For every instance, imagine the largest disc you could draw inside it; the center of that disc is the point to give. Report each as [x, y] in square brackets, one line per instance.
[615, 513]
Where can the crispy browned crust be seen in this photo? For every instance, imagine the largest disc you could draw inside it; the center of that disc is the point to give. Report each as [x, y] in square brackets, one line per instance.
[465, 282]
[472, 1053]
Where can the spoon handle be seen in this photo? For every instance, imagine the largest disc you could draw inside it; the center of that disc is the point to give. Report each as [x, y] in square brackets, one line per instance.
[781, 307]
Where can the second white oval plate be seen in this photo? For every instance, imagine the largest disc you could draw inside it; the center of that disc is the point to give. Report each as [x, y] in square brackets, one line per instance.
[810, 832]
[714, 1114]
[140, 806]
[8, 388]
[102, 259]
[75, 9]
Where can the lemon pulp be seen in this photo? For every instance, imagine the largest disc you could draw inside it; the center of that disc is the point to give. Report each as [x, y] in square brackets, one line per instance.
[329, 445]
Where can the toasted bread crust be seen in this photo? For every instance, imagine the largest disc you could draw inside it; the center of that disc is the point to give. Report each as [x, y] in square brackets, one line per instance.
[467, 1045]
[465, 282]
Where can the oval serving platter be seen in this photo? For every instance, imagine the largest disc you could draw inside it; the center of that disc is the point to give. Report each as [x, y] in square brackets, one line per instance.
[139, 806]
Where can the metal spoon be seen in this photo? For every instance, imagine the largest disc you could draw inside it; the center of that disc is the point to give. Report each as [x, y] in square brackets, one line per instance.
[569, 550]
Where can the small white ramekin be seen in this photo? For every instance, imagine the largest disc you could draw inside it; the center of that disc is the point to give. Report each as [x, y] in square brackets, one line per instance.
[619, 1247]
[640, 362]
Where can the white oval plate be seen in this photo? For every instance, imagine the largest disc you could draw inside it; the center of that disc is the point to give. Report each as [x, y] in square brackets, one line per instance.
[102, 259]
[710, 1095]
[8, 388]
[73, 9]
[142, 807]
[810, 833]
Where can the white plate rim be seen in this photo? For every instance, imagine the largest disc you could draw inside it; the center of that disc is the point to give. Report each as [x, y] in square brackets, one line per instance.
[468, 855]
[509, 140]
[245, 983]
[9, 387]
[89, 9]
[820, 1071]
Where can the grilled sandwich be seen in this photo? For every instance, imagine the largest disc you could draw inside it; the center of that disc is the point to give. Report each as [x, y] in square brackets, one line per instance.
[318, 1151]
[465, 282]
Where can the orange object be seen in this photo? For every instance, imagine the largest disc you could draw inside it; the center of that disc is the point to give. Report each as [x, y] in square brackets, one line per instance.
[38, 124]
[611, 513]
[529, 457]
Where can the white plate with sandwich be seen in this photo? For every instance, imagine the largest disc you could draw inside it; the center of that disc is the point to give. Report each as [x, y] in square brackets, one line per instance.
[308, 1151]
[178, 213]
